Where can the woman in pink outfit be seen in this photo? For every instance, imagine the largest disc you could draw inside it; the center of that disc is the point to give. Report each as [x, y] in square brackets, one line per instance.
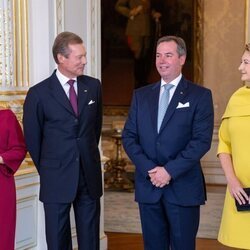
[12, 153]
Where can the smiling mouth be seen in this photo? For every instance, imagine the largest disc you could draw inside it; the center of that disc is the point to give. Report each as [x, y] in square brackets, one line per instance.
[164, 67]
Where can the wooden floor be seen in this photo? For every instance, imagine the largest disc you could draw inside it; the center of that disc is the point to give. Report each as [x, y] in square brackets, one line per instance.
[125, 241]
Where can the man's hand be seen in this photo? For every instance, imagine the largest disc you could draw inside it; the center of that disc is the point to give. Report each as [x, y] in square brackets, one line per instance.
[135, 11]
[159, 176]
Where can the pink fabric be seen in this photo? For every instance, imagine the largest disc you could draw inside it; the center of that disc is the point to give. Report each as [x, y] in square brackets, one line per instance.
[13, 151]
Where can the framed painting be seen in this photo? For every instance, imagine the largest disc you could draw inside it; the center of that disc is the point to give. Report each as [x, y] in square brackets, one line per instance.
[177, 17]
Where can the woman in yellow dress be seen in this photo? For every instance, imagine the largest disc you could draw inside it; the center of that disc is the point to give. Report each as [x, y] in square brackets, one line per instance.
[234, 155]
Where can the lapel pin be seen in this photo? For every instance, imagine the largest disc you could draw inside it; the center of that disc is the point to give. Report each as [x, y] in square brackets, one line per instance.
[85, 90]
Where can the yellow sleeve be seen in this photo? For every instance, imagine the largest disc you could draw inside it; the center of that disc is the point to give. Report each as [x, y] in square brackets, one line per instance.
[224, 138]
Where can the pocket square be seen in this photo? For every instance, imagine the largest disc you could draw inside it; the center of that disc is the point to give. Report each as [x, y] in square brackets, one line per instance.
[183, 105]
[91, 102]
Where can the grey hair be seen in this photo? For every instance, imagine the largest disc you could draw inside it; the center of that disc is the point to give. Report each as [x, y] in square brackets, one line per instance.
[181, 45]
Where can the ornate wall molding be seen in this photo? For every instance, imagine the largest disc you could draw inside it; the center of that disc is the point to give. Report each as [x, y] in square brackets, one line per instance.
[21, 51]
[198, 40]
[6, 44]
[59, 14]
[93, 37]
[247, 14]
[14, 54]
[94, 30]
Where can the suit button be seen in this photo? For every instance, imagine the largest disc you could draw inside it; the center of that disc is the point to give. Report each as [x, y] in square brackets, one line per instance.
[76, 120]
[77, 158]
[78, 139]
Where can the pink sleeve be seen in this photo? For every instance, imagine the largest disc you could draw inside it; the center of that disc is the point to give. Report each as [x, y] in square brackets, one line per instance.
[16, 149]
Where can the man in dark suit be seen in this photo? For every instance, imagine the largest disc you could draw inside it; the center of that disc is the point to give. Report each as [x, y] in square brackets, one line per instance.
[169, 183]
[62, 125]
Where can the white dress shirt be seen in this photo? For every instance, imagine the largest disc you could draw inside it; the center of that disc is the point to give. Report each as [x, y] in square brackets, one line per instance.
[175, 83]
[64, 82]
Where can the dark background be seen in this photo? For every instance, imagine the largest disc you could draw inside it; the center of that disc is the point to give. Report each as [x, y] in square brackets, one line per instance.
[117, 60]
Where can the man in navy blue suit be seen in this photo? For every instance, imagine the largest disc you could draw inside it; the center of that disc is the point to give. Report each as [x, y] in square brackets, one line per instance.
[62, 125]
[169, 183]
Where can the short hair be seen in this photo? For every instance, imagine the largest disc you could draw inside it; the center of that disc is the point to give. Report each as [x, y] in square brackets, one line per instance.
[181, 45]
[61, 44]
[247, 47]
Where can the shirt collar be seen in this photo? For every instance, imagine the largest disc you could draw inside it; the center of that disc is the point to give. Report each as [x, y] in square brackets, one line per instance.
[173, 82]
[62, 78]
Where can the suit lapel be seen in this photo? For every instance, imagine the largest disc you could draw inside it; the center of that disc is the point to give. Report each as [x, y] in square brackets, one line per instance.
[83, 91]
[61, 97]
[179, 94]
[59, 94]
[153, 102]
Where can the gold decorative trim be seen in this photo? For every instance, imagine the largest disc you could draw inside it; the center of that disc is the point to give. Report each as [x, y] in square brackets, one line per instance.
[104, 159]
[116, 110]
[21, 48]
[247, 20]
[198, 41]
[26, 34]
[9, 103]
[12, 93]
[4, 104]
[19, 41]
[24, 170]
[14, 43]
[15, 105]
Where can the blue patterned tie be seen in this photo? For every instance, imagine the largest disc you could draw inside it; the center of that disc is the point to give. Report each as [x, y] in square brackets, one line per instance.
[163, 104]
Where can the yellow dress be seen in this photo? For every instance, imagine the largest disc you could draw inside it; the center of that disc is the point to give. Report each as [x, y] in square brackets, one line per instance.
[234, 139]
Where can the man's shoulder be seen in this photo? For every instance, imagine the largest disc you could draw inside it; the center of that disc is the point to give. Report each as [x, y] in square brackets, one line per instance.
[86, 78]
[147, 88]
[89, 81]
[43, 84]
[196, 87]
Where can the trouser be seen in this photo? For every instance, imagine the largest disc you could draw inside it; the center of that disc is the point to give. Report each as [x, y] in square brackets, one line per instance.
[87, 219]
[169, 226]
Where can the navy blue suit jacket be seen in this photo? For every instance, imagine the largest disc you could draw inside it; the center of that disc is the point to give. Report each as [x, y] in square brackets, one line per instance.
[185, 136]
[59, 142]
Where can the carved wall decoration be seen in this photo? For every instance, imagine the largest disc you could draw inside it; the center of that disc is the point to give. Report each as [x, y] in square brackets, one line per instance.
[20, 40]
[198, 41]
[14, 54]
[59, 16]
[6, 44]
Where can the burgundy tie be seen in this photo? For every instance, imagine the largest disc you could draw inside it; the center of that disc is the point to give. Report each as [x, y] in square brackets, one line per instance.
[73, 96]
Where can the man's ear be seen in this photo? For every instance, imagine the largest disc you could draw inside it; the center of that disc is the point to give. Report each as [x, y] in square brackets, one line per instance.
[183, 59]
[60, 58]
